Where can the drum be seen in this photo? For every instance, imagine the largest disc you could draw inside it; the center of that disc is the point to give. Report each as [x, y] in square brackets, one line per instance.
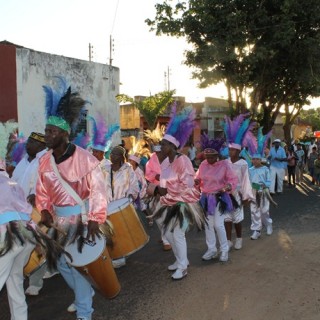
[129, 234]
[37, 257]
[35, 262]
[95, 264]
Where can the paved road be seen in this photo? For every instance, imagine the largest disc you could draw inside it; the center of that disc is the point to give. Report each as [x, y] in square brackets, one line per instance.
[275, 277]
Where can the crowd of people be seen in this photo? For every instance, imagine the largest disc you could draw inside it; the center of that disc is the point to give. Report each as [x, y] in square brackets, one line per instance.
[67, 187]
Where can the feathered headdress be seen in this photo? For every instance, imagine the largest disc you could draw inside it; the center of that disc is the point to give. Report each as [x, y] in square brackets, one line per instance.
[82, 139]
[236, 129]
[207, 143]
[180, 126]
[102, 134]
[138, 150]
[63, 107]
[155, 136]
[256, 145]
[16, 150]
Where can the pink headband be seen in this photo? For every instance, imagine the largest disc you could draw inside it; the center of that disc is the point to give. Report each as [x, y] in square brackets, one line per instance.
[235, 146]
[171, 139]
[134, 158]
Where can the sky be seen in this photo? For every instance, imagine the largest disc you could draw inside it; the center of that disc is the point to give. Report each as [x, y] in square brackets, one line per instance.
[67, 27]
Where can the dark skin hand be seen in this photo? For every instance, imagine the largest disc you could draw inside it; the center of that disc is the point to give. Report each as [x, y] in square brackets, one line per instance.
[162, 191]
[93, 230]
[46, 218]
[93, 226]
[32, 199]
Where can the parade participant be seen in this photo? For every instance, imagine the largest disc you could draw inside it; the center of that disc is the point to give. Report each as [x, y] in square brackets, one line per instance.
[260, 181]
[278, 164]
[26, 175]
[134, 158]
[16, 150]
[14, 211]
[217, 181]
[178, 208]
[152, 175]
[70, 192]
[121, 183]
[102, 139]
[235, 131]
[18, 236]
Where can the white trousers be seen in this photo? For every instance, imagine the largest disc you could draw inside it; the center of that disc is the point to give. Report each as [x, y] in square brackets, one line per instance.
[276, 173]
[216, 224]
[177, 240]
[160, 226]
[260, 216]
[11, 274]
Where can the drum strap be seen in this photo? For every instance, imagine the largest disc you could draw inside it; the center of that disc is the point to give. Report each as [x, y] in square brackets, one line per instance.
[70, 191]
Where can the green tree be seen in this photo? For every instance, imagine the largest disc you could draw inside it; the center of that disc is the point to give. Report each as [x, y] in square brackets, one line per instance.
[267, 49]
[150, 107]
[312, 116]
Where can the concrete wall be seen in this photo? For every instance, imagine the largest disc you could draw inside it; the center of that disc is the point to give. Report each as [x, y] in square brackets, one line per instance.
[96, 83]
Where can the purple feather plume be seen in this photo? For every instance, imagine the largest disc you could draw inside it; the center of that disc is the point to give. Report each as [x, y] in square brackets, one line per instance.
[82, 139]
[18, 150]
[181, 125]
[100, 130]
[206, 142]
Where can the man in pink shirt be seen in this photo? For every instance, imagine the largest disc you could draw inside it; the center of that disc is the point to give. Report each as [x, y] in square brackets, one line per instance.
[81, 208]
[216, 181]
[152, 175]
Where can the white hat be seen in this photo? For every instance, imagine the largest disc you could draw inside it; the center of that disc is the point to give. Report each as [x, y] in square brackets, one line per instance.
[277, 140]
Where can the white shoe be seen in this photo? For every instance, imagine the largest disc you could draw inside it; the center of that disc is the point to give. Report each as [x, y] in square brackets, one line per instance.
[269, 229]
[32, 291]
[179, 274]
[173, 267]
[119, 263]
[72, 308]
[49, 274]
[210, 254]
[224, 256]
[230, 244]
[238, 244]
[255, 235]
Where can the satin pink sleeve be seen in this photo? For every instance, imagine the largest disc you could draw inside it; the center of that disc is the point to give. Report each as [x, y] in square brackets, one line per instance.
[152, 169]
[179, 181]
[97, 199]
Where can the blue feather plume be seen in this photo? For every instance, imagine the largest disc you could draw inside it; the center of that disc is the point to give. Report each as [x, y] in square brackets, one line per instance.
[181, 125]
[235, 129]
[82, 139]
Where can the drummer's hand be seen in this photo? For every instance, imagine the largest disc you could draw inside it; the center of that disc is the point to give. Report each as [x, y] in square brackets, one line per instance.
[93, 230]
[162, 191]
[46, 218]
[31, 198]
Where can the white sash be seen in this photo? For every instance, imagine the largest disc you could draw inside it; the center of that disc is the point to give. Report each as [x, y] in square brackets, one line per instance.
[70, 191]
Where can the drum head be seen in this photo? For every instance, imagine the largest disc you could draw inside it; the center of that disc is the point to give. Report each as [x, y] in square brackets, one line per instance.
[117, 205]
[91, 251]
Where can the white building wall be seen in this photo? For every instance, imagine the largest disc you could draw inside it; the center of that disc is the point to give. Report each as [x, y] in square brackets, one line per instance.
[97, 83]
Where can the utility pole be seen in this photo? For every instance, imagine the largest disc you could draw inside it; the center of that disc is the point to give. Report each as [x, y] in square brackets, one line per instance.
[165, 81]
[111, 50]
[90, 52]
[168, 75]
